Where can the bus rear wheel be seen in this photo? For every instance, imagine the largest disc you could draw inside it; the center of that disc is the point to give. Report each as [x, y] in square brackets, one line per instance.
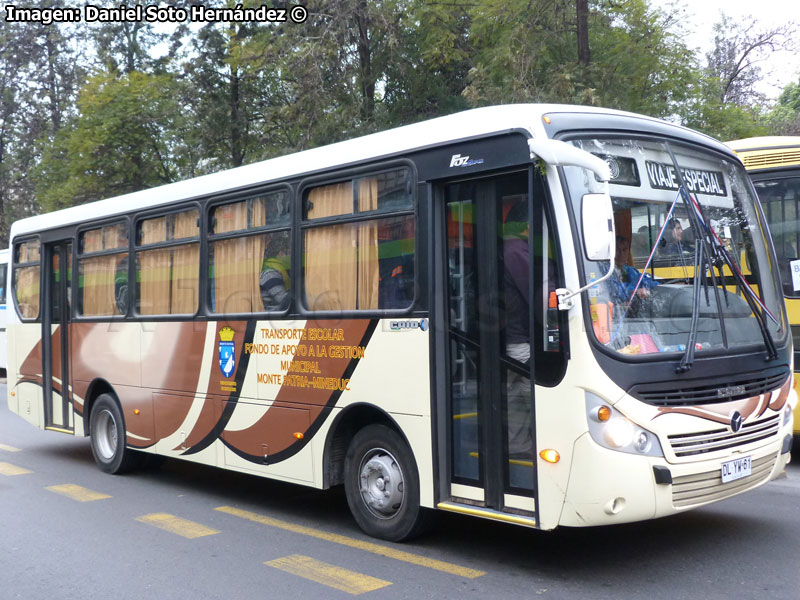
[382, 485]
[107, 433]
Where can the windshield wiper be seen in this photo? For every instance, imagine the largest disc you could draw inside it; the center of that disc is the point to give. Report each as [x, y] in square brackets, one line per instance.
[711, 246]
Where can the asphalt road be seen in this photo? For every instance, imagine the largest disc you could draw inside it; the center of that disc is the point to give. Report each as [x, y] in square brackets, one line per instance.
[191, 532]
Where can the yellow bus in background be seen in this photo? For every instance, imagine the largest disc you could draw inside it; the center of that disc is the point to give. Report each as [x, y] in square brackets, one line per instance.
[773, 164]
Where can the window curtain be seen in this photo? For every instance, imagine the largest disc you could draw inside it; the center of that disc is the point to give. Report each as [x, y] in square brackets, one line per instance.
[98, 284]
[185, 265]
[26, 288]
[97, 273]
[26, 280]
[237, 262]
[331, 251]
[368, 267]
[154, 269]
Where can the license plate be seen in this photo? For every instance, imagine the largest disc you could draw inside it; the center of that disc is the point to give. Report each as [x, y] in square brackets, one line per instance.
[736, 469]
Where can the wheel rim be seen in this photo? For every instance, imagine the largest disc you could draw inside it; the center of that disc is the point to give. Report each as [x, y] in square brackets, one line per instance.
[381, 483]
[105, 434]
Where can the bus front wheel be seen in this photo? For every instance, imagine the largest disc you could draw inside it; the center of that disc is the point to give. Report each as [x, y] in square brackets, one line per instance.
[382, 485]
[107, 432]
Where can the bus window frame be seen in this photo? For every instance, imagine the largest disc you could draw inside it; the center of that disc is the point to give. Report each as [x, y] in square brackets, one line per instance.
[304, 224]
[14, 265]
[655, 358]
[78, 254]
[154, 213]
[770, 175]
[208, 238]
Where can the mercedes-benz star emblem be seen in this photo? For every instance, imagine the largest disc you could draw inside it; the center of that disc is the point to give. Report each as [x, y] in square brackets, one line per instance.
[736, 421]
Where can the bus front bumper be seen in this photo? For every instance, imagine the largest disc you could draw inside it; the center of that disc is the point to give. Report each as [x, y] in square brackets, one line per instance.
[608, 487]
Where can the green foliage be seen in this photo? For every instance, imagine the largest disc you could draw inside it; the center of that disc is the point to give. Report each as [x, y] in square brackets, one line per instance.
[120, 142]
[232, 93]
[527, 51]
[784, 118]
[790, 97]
[726, 121]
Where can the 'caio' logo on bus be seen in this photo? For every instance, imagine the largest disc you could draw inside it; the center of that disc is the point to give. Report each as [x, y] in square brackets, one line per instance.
[464, 161]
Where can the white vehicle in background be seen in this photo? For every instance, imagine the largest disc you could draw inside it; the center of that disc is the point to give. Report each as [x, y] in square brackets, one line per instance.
[3, 310]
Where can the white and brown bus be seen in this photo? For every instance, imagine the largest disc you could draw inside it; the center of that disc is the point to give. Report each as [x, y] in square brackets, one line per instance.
[430, 316]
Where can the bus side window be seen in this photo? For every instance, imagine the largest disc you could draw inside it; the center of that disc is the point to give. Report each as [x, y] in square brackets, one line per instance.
[249, 255]
[167, 278]
[102, 264]
[363, 263]
[26, 278]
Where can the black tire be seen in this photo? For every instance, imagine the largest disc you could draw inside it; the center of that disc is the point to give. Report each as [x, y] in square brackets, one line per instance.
[107, 432]
[381, 482]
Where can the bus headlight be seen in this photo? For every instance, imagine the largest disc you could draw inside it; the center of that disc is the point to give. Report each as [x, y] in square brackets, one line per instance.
[787, 414]
[616, 432]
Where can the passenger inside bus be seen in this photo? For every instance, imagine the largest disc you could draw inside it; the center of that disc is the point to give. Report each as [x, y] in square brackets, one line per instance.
[274, 278]
[517, 310]
[625, 278]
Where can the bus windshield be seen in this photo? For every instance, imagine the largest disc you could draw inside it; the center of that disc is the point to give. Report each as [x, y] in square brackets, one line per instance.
[664, 237]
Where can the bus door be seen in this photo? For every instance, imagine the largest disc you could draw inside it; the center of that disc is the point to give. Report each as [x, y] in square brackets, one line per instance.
[489, 421]
[55, 332]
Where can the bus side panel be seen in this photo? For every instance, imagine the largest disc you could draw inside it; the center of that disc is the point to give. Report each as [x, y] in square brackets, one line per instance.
[302, 372]
[25, 372]
[394, 374]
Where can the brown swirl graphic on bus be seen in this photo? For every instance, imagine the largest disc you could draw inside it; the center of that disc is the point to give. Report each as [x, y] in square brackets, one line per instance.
[721, 413]
[158, 388]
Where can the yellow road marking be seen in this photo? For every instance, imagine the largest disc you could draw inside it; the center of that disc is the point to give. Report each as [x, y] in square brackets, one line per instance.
[414, 559]
[8, 448]
[9, 469]
[330, 575]
[76, 492]
[176, 525]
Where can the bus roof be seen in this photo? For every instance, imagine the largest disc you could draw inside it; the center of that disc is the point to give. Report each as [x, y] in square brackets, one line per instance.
[767, 152]
[470, 124]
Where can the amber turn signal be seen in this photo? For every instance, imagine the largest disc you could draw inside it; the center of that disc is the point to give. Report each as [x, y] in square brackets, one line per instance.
[603, 414]
[550, 455]
[298, 435]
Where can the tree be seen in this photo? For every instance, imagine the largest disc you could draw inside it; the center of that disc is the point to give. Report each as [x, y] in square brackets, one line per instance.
[41, 69]
[740, 47]
[525, 51]
[725, 102]
[784, 118]
[123, 140]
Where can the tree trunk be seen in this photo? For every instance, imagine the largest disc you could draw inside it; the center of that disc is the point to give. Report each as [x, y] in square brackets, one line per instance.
[365, 62]
[584, 55]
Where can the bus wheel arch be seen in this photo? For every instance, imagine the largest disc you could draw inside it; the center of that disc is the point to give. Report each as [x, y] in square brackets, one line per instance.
[96, 388]
[345, 426]
[106, 429]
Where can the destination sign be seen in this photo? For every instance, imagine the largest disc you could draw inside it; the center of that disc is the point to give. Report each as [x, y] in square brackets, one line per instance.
[663, 176]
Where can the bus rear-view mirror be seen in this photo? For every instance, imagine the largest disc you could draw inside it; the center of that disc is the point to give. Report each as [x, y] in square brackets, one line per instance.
[597, 217]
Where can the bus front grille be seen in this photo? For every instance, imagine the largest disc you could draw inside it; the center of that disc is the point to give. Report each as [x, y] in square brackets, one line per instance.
[714, 391]
[689, 490]
[690, 444]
